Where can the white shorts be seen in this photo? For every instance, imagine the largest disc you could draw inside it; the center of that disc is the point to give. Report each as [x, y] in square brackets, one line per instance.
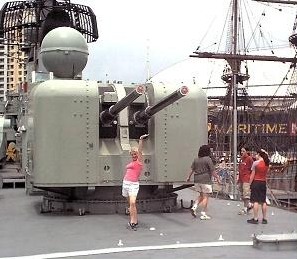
[130, 188]
[205, 188]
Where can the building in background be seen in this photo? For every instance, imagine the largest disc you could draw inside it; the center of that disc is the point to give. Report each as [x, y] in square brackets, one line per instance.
[3, 70]
[12, 67]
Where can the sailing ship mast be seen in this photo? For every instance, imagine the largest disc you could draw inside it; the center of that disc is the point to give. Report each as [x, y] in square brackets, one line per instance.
[234, 59]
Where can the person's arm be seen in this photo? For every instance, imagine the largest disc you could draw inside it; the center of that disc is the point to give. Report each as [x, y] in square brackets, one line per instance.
[189, 176]
[252, 176]
[215, 175]
[213, 171]
[191, 172]
[140, 147]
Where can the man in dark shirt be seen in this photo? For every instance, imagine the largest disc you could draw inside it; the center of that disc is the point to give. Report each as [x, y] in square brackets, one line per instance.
[203, 170]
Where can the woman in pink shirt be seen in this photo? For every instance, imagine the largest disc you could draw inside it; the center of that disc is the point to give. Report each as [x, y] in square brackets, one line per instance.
[131, 181]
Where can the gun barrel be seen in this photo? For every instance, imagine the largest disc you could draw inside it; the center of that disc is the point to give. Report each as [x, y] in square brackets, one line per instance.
[107, 116]
[142, 116]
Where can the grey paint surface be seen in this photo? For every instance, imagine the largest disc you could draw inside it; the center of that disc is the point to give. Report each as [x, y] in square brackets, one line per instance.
[25, 232]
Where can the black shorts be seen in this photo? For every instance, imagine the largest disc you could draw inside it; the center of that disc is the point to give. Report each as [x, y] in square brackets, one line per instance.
[258, 191]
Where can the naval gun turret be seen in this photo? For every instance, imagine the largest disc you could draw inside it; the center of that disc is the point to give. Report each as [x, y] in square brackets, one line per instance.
[142, 117]
[79, 134]
[108, 115]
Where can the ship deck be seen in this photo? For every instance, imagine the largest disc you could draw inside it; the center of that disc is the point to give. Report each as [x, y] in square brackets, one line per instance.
[25, 233]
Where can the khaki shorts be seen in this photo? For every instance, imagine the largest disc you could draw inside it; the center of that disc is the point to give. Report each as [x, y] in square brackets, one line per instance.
[245, 190]
[130, 188]
[205, 188]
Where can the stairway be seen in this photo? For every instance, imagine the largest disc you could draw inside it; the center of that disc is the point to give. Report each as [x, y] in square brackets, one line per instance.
[11, 176]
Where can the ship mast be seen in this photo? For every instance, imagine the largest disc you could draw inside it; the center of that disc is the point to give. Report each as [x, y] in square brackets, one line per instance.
[235, 67]
[234, 63]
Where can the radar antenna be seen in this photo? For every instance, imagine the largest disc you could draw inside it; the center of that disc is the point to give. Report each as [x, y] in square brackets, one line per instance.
[30, 21]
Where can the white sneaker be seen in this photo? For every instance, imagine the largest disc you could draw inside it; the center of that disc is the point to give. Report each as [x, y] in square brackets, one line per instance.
[243, 212]
[205, 217]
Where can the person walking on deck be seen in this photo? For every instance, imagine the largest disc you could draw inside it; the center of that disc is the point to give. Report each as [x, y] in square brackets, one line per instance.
[203, 170]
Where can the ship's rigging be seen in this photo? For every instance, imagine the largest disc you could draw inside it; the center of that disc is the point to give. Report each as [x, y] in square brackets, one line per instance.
[239, 122]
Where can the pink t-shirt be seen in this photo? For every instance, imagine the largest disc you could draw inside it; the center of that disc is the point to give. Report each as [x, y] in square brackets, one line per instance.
[133, 171]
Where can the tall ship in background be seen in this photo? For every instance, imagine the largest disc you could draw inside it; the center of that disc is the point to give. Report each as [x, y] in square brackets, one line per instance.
[239, 119]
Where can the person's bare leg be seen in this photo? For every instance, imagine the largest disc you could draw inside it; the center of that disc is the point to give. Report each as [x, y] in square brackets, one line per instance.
[204, 202]
[256, 210]
[196, 203]
[200, 198]
[264, 210]
[246, 202]
[133, 209]
[127, 211]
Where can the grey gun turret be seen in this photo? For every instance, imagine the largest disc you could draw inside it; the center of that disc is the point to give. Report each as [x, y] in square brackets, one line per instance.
[142, 117]
[79, 134]
[108, 115]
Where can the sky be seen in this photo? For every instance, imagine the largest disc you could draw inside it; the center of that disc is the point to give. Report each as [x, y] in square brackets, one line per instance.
[141, 39]
[133, 32]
